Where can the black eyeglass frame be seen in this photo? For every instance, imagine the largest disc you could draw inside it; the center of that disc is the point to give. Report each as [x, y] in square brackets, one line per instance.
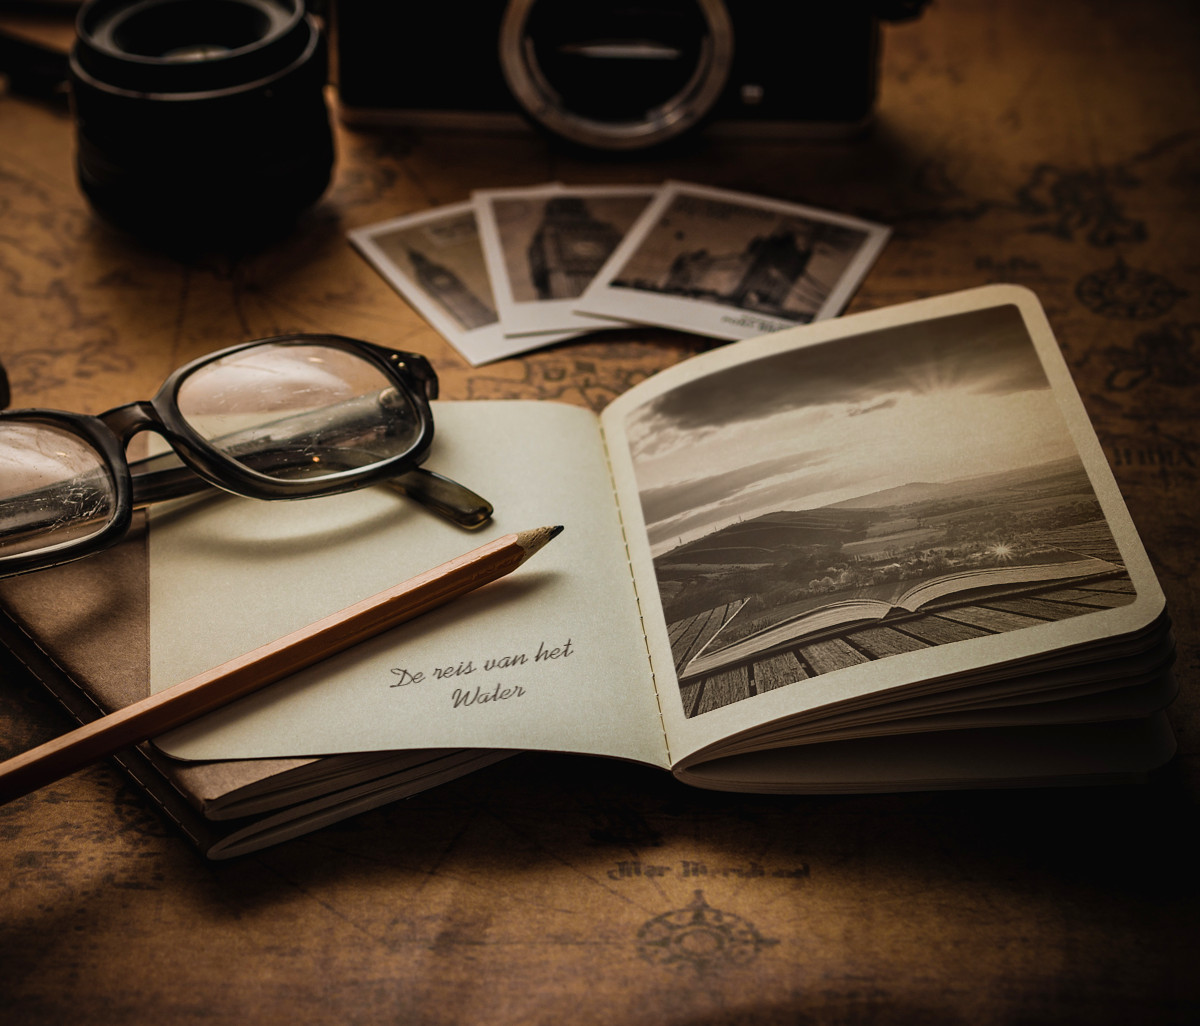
[194, 463]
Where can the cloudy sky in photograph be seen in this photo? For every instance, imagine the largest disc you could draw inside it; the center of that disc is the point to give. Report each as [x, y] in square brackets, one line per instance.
[930, 402]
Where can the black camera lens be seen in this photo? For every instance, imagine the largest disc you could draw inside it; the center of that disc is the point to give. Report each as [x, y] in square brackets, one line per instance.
[617, 76]
[200, 119]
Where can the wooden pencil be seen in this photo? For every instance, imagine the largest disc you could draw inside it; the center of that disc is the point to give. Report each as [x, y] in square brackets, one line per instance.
[267, 664]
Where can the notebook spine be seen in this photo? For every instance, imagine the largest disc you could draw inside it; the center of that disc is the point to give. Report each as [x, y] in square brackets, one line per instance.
[22, 656]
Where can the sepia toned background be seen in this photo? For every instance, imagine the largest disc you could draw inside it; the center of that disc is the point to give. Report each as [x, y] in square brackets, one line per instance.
[1052, 145]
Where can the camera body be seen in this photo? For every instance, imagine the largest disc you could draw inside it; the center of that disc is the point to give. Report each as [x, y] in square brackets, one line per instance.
[614, 75]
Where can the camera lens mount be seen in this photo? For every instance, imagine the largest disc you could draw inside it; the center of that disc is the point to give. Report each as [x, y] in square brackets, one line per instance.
[616, 76]
[200, 117]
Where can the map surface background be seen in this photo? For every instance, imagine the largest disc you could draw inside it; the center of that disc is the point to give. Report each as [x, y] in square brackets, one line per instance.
[1053, 146]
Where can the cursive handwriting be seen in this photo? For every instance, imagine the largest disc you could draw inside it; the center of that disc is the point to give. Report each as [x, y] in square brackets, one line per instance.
[499, 693]
[545, 653]
[756, 323]
[406, 677]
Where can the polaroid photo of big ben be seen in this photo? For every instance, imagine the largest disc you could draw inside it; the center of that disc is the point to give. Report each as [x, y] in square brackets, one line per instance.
[544, 245]
[435, 261]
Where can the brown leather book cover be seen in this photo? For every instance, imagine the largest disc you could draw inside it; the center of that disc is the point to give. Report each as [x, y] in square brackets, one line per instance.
[83, 631]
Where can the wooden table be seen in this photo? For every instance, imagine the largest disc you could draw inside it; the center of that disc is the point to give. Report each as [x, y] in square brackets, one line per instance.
[1051, 145]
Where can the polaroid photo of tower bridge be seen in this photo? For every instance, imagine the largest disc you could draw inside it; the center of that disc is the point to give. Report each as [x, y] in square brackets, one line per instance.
[732, 265]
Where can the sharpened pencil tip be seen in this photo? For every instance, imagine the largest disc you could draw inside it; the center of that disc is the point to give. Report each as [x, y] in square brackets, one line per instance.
[533, 540]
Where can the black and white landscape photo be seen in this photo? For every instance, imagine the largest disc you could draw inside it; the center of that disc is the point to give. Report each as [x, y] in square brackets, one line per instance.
[880, 494]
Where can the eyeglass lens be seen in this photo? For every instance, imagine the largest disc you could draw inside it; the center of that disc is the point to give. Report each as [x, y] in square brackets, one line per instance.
[287, 410]
[54, 488]
[298, 411]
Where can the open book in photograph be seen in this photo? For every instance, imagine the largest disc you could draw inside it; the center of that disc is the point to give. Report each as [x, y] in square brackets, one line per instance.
[956, 595]
[880, 552]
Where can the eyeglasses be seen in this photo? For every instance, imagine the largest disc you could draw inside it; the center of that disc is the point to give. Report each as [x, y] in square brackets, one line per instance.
[290, 417]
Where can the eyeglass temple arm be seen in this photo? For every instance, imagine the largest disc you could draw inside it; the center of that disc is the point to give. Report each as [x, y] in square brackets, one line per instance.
[158, 478]
[444, 496]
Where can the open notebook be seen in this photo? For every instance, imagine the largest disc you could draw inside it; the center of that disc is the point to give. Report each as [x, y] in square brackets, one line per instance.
[882, 552]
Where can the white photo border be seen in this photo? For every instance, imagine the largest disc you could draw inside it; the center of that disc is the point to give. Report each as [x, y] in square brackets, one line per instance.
[528, 317]
[478, 346]
[603, 299]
